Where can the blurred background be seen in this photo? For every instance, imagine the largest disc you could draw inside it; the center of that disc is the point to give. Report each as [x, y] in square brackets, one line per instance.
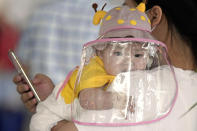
[14, 15]
[17, 30]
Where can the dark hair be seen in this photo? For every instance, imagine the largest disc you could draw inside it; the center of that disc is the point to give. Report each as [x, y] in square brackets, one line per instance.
[183, 15]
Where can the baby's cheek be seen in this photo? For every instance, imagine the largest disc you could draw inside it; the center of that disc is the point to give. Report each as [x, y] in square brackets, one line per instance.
[111, 68]
[142, 64]
[118, 65]
[139, 64]
[116, 69]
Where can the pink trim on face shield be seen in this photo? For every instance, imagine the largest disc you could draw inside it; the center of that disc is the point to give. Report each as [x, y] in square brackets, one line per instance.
[126, 39]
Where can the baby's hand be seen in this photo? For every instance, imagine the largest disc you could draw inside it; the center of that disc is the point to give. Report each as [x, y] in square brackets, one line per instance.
[131, 105]
[119, 100]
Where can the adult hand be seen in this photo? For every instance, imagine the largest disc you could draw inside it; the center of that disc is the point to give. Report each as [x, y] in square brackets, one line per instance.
[43, 85]
[131, 105]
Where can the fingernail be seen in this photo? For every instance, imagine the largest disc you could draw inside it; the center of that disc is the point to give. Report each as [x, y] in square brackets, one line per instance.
[30, 94]
[34, 101]
[26, 87]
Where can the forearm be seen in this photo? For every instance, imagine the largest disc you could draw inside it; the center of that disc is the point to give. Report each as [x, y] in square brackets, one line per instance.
[64, 125]
[50, 112]
[95, 99]
[43, 119]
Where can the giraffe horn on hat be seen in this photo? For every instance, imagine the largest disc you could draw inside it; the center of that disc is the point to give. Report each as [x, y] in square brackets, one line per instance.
[99, 15]
[142, 7]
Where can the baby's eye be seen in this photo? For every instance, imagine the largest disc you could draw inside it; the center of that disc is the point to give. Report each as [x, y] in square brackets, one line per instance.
[139, 55]
[117, 53]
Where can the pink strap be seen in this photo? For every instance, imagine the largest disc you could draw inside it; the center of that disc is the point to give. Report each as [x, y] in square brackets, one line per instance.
[125, 27]
[66, 81]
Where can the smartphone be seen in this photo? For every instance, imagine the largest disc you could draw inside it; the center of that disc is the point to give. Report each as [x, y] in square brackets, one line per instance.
[15, 61]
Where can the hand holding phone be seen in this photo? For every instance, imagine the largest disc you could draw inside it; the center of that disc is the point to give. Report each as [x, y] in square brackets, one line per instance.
[21, 70]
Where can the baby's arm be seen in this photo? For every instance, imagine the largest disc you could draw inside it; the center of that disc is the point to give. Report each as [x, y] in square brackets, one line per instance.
[49, 112]
[99, 99]
[95, 99]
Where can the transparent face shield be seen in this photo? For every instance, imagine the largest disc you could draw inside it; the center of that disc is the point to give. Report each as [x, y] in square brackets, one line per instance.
[123, 81]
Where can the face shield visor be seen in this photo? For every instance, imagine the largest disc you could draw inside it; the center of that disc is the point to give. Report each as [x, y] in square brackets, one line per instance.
[123, 81]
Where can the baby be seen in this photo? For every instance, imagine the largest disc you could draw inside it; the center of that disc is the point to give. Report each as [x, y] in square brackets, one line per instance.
[116, 57]
[86, 88]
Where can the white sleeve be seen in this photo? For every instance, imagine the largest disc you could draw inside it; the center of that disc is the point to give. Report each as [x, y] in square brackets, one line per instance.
[49, 112]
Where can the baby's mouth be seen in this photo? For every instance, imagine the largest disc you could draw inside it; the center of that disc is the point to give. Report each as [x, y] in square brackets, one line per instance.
[126, 70]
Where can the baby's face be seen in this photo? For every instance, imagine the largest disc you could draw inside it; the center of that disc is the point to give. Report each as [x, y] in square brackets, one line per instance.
[122, 58]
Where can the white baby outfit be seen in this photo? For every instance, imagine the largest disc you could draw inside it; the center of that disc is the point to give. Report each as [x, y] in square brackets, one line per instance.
[51, 110]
